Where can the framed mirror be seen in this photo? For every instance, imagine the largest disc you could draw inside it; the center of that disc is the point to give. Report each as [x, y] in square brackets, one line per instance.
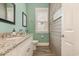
[24, 19]
[7, 12]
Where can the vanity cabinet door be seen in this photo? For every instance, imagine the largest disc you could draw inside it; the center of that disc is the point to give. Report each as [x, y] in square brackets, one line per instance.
[29, 51]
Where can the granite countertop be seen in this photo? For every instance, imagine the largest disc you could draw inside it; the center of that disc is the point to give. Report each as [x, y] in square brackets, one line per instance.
[8, 44]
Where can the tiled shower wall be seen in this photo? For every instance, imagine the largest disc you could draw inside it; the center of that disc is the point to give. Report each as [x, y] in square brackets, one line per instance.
[55, 28]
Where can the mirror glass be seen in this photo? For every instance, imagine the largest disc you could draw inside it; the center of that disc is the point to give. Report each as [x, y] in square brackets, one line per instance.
[10, 13]
[7, 12]
[2, 11]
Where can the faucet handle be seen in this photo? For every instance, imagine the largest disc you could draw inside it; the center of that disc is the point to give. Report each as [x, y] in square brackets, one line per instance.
[13, 30]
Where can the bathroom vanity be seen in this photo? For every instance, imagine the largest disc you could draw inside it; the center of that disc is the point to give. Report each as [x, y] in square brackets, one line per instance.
[17, 46]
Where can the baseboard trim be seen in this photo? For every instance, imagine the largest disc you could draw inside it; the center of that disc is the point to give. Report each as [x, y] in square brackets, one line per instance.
[43, 44]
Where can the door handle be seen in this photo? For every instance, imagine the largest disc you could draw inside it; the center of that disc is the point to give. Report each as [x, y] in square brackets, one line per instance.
[62, 35]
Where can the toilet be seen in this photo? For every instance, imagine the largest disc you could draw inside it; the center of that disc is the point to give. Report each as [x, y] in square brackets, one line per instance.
[35, 42]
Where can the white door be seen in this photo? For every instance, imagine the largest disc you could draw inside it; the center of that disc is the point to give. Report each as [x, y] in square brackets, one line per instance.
[67, 34]
[76, 28]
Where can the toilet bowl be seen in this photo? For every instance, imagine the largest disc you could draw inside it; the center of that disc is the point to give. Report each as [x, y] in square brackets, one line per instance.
[35, 42]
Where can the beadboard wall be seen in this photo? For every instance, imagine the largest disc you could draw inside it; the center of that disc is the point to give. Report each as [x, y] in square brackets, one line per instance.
[55, 28]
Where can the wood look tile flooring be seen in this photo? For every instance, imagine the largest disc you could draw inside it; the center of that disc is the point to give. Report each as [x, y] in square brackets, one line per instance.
[43, 51]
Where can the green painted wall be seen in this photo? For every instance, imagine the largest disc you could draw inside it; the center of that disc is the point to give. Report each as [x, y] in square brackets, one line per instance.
[5, 27]
[29, 9]
[31, 21]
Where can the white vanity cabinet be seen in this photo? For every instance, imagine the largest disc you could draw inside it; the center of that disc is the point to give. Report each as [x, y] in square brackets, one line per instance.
[23, 49]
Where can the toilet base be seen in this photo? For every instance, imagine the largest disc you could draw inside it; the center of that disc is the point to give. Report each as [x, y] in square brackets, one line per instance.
[35, 43]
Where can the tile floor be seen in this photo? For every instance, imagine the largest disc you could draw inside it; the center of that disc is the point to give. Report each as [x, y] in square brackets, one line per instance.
[43, 51]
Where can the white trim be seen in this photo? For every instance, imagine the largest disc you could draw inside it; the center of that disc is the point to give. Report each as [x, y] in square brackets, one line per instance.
[43, 44]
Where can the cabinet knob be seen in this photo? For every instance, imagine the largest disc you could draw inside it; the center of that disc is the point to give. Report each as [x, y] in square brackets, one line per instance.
[28, 49]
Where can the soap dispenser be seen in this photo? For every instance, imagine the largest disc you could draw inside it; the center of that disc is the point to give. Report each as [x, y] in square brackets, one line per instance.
[13, 32]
